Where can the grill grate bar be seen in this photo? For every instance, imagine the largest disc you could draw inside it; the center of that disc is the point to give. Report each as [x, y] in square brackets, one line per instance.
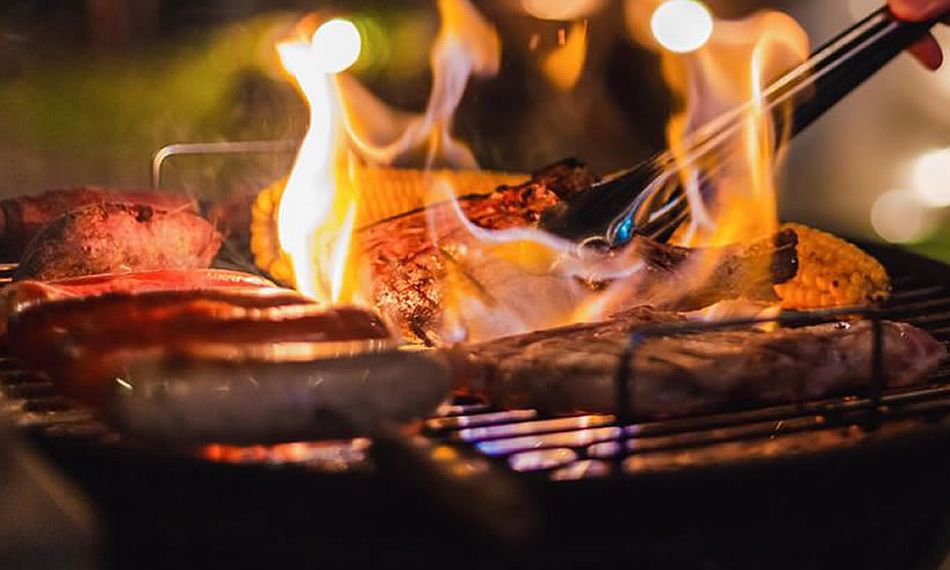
[912, 309]
[904, 295]
[927, 321]
[461, 410]
[542, 459]
[827, 407]
[29, 390]
[533, 427]
[481, 419]
[571, 439]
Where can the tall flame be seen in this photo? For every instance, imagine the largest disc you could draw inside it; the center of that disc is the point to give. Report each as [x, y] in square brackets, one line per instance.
[514, 280]
[350, 129]
[730, 73]
[732, 190]
[528, 280]
[466, 45]
[315, 216]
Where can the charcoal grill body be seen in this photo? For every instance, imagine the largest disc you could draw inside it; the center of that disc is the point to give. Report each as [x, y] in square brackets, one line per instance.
[877, 500]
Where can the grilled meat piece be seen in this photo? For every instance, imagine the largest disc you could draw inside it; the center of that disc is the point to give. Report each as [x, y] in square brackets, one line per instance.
[749, 271]
[84, 343]
[108, 237]
[23, 217]
[409, 264]
[23, 294]
[237, 315]
[574, 368]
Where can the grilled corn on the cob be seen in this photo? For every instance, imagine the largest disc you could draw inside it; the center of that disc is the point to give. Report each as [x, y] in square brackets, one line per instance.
[386, 192]
[832, 273]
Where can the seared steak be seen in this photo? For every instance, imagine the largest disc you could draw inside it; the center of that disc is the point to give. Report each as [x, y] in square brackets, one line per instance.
[574, 368]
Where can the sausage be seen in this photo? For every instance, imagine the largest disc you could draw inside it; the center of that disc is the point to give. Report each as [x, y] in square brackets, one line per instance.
[21, 294]
[109, 237]
[154, 316]
[84, 343]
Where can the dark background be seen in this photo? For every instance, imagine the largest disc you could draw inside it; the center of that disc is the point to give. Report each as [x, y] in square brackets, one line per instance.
[90, 89]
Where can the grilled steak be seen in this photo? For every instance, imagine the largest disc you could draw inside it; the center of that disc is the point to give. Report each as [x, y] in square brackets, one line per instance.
[408, 267]
[108, 237]
[410, 260]
[574, 368]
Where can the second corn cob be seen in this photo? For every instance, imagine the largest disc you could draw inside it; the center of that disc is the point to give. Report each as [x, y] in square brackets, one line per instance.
[832, 273]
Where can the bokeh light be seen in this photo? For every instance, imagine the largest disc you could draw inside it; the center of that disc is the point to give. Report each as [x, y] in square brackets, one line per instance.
[682, 26]
[898, 216]
[932, 178]
[339, 43]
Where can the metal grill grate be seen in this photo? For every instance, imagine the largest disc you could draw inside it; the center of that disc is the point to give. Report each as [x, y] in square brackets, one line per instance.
[587, 446]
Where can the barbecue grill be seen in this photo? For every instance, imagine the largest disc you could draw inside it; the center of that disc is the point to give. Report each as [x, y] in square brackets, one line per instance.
[853, 480]
[856, 480]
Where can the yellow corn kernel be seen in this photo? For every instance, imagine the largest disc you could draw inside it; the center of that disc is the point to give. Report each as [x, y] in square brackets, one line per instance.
[384, 192]
[832, 273]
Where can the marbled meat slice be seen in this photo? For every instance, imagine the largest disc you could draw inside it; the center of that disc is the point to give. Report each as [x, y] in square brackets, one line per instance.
[573, 369]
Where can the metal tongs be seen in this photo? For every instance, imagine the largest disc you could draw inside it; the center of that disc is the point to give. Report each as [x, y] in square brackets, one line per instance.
[649, 200]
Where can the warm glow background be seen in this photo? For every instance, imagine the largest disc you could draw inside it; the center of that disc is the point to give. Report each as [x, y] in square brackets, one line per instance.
[89, 89]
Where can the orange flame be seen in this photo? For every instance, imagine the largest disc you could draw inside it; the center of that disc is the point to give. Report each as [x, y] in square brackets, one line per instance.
[319, 206]
[529, 280]
[514, 280]
[466, 45]
[729, 73]
[316, 212]
[732, 191]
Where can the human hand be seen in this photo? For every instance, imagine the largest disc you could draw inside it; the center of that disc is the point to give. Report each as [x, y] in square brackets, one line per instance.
[927, 51]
